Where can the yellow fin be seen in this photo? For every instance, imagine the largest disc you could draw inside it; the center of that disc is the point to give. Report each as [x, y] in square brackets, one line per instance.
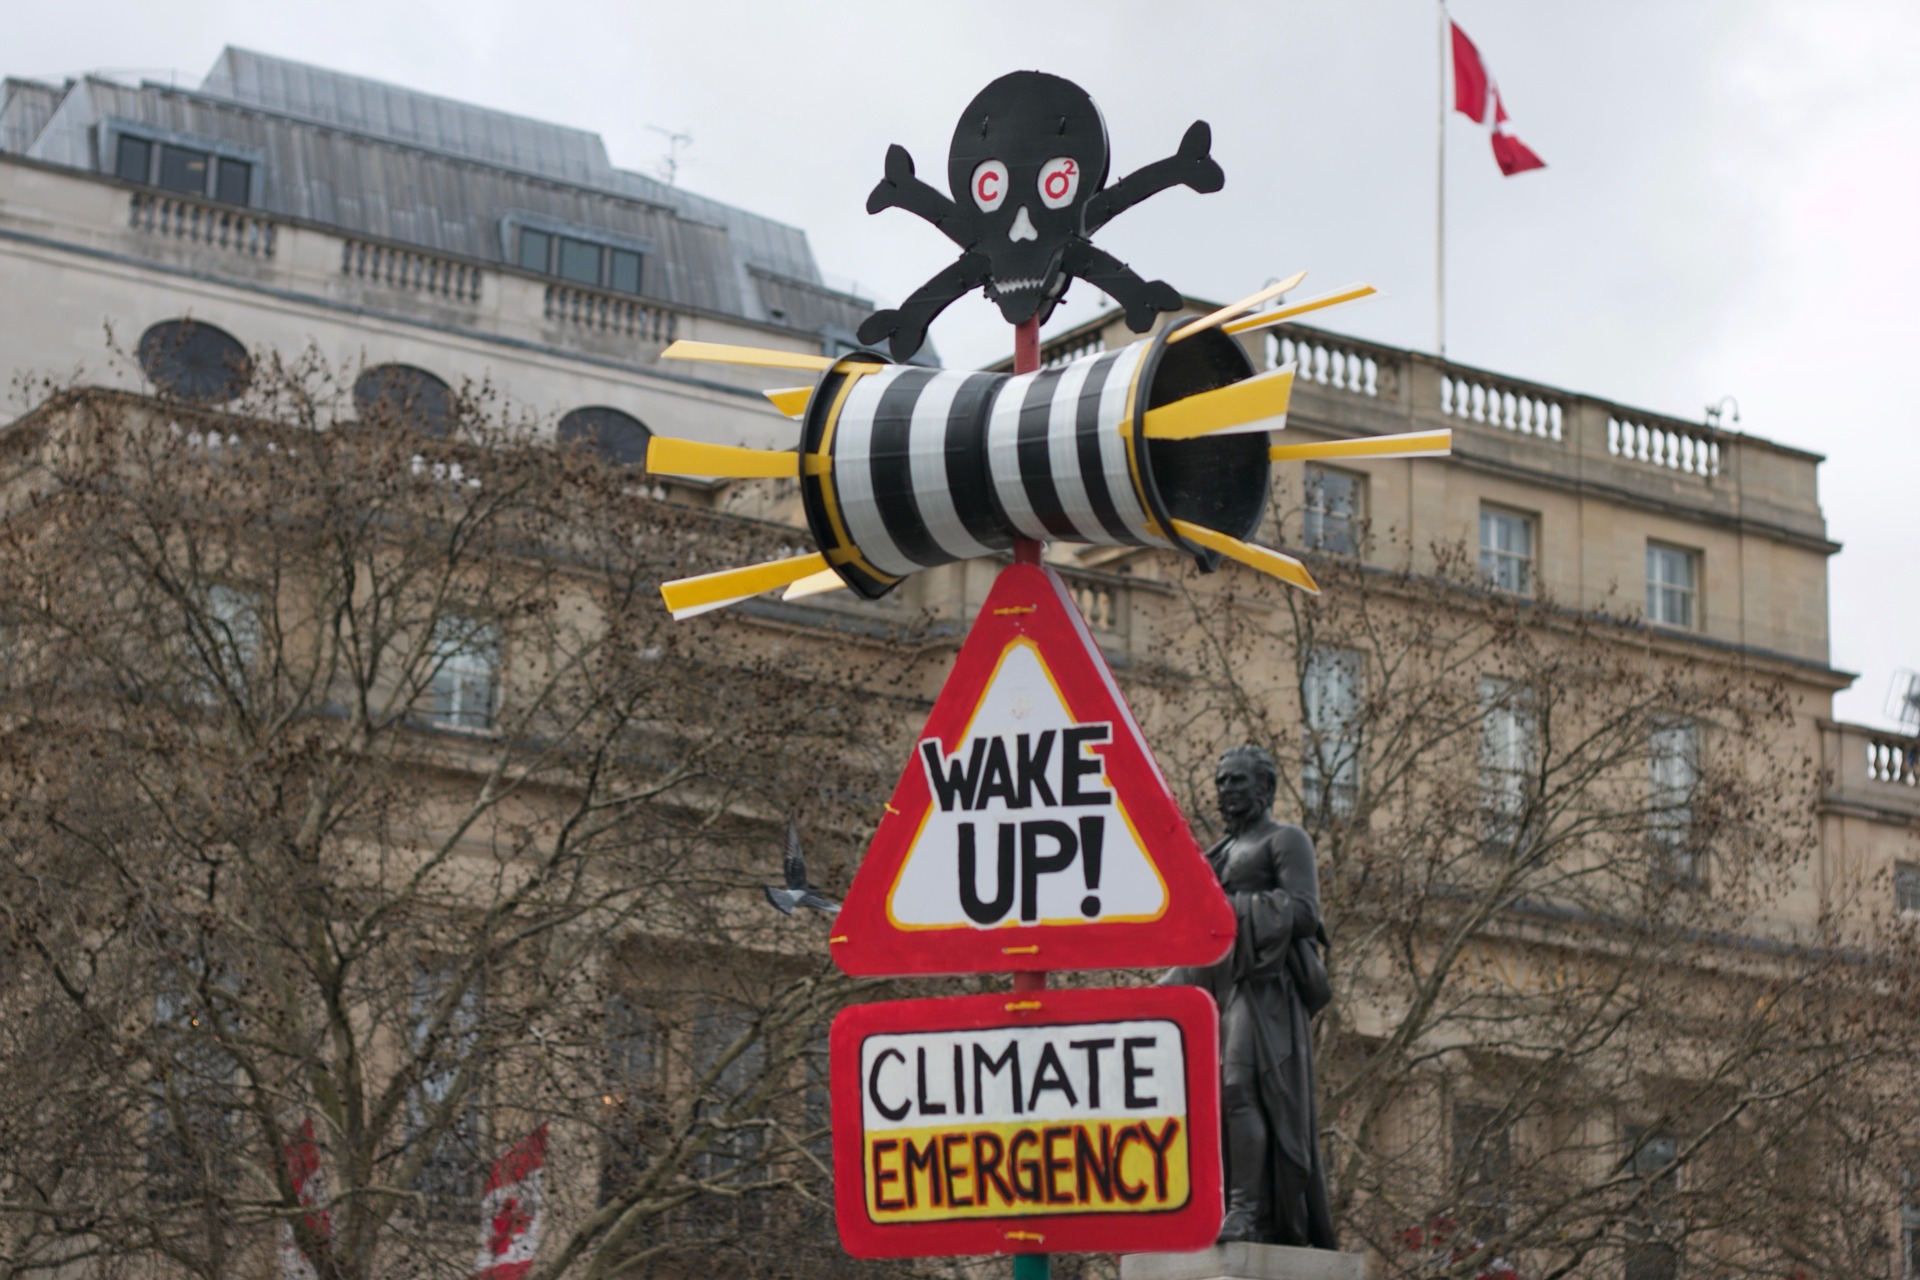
[814, 584]
[687, 597]
[1251, 405]
[765, 357]
[1411, 444]
[1281, 314]
[1233, 309]
[671, 457]
[791, 401]
[1283, 567]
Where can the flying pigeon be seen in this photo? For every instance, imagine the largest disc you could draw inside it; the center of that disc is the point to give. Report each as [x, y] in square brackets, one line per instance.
[798, 892]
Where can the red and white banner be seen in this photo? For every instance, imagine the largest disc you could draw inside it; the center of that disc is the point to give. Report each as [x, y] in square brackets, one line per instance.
[510, 1210]
[1477, 97]
[309, 1188]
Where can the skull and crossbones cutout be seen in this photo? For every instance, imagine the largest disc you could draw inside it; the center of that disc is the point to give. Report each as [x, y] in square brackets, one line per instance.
[1028, 170]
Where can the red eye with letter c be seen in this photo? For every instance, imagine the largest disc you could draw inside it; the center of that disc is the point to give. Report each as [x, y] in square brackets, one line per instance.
[1059, 180]
[990, 185]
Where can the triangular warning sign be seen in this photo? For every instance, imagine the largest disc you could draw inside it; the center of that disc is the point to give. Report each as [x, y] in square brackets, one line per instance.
[1031, 829]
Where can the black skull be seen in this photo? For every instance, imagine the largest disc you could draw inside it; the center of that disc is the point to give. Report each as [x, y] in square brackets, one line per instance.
[1028, 154]
[1028, 171]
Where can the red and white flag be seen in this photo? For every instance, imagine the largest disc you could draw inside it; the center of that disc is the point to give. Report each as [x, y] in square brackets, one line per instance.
[1477, 97]
[510, 1210]
[309, 1188]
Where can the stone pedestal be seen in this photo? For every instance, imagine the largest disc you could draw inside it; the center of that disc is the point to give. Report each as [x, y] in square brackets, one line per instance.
[1245, 1262]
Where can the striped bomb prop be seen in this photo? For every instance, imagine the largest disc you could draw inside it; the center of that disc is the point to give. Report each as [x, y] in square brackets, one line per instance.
[1162, 443]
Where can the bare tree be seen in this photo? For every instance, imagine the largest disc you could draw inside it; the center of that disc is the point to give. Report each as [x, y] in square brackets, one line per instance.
[1586, 1017]
[353, 774]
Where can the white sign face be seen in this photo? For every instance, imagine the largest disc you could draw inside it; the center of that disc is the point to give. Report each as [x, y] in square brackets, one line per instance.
[1024, 828]
[1117, 1071]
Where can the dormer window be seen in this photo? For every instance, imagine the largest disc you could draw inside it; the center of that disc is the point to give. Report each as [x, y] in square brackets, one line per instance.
[135, 160]
[582, 261]
[184, 170]
[192, 171]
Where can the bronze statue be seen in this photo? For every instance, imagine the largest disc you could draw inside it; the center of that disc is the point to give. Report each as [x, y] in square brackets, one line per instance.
[1268, 988]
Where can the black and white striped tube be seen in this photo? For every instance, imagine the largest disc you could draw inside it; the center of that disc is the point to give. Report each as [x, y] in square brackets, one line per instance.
[928, 466]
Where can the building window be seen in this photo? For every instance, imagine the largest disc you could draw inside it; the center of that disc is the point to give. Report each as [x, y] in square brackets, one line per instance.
[618, 437]
[464, 687]
[230, 645]
[194, 361]
[536, 249]
[1906, 888]
[1649, 1254]
[1331, 694]
[718, 1031]
[1483, 1168]
[623, 271]
[442, 1041]
[581, 261]
[1909, 1268]
[1334, 510]
[816, 1120]
[578, 261]
[1506, 550]
[133, 159]
[233, 182]
[1673, 765]
[191, 1129]
[632, 1098]
[402, 392]
[183, 169]
[1673, 585]
[1509, 759]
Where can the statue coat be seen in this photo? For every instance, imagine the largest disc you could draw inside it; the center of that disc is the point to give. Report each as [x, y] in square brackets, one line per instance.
[1269, 873]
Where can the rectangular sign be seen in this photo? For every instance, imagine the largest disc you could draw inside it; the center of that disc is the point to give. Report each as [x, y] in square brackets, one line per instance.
[1048, 1121]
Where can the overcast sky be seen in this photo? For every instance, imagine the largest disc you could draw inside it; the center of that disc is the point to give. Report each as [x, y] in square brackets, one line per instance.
[1729, 208]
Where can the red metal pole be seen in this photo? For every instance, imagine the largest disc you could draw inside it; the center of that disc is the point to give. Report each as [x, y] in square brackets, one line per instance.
[1026, 359]
[1026, 345]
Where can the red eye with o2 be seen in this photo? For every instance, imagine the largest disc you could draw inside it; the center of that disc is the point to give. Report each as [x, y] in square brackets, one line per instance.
[1059, 179]
[990, 185]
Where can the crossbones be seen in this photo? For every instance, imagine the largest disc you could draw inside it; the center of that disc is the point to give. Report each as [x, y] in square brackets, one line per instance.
[1028, 168]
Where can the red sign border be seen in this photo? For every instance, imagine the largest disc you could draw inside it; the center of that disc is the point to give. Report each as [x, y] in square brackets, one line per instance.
[1197, 927]
[1191, 1227]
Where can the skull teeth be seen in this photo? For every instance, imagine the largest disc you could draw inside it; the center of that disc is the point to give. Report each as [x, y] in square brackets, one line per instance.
[1015, 286]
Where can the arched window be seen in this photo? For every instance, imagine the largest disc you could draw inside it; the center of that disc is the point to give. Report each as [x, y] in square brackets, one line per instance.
[194, 361]
[616, 436]
[402, 392]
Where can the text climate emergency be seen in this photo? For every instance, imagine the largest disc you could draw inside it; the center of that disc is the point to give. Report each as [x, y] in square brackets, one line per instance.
[1007, 1122]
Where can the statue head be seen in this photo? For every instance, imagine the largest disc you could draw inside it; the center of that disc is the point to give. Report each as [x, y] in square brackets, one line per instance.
[1244, 782]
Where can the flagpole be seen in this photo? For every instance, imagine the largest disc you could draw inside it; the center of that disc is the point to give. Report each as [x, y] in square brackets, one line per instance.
[1440, 199]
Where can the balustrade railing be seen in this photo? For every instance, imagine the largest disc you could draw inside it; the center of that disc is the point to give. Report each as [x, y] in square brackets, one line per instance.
[1677, 447]
[610, 313]
[1063, 353]
[1893, 759]
[1322, 359]
[410, 270]
[1099, 603]
[215, 226]
[1521, 410]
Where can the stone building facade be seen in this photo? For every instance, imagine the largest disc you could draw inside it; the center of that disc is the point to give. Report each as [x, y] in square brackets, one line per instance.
[422, 245]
